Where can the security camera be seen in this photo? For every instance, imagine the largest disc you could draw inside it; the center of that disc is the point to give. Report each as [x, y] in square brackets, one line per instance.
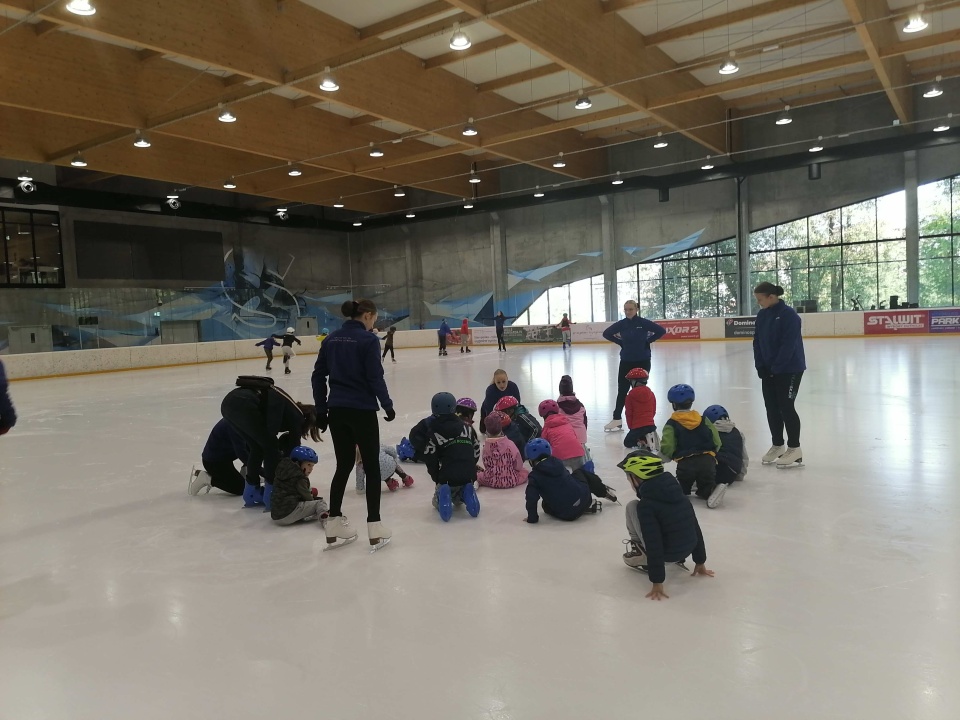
[282, 214]
[173, 203]
[27, 186]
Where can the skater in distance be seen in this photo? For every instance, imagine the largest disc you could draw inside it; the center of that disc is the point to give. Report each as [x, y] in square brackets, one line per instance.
[634, 335]
[287, 340]
[780, 362]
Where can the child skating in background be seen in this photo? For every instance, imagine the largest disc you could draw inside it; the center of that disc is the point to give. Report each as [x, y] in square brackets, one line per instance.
[8, 416]
[558, 431]
[732, 460]
[287, 340]
[442, 333]
[268, 345]
[525, 422]
[465, 335]
[693, 442]
[451, 456]
[466, 409]
[564, 496]
[501, 386]
[293, 499]
[661, 523]
[388, 345]
[389, 465]
[565, 331]
[502, 459]
[641, 407]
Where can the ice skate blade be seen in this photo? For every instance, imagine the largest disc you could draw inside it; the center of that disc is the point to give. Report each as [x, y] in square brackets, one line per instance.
[791, 466]
[382, 543]
[616, 429]
[341, 542]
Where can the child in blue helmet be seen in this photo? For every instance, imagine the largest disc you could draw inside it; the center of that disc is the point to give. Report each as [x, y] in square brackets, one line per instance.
[451, 455]
[293, 499]
[693, 442]
[565, 496]
[732, 460]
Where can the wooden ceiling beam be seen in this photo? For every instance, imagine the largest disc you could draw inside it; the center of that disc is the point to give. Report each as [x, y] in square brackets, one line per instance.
[480, 48]
[608, 52]
[398, 22]
[635, 126]
[921, 43]
[363, 120]
[791, 94]
[721, 21]
[868, 16]
[935, 63]
[520, 77]
[610, 6]
[44, 27]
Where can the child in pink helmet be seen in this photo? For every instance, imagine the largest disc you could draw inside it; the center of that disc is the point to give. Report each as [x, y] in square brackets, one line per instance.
[559, 432]
[502, 461]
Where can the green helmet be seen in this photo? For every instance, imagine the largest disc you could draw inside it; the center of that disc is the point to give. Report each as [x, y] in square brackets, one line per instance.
[642, 464]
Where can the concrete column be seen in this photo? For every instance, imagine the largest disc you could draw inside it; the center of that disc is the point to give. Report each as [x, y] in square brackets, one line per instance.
[498, 250]
[910, 182]
[414, 280]
[743, 245]
[608, 244]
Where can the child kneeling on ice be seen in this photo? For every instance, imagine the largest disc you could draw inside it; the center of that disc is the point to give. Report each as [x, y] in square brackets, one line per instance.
[559, 432]
[693, 442]
[502, 461]
[526, 423]
[293, 499]
[662, 524]
[451, 456]
[641, 407]
[565, 496]
[389, 465]
[732, 460]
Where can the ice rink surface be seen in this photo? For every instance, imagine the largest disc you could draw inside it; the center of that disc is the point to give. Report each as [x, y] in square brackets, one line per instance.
[835, 596]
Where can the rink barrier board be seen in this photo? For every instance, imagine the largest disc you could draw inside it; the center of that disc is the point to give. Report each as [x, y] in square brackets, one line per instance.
[75, 363]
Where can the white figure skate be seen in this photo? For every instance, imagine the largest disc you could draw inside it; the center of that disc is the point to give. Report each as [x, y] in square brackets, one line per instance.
[379, 536]
[199, 479]
[772, 454]
[792, 458]
[716, 497]
[614, 426]
[339, 532]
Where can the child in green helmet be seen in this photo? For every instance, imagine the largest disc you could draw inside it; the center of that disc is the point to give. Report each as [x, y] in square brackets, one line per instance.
[661, 522]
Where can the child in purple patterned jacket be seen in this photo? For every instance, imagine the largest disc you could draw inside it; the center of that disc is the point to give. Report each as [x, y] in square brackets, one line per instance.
[503, 465]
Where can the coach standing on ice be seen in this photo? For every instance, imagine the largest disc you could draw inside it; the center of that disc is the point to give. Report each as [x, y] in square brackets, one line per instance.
[633, 334]
[778, 356]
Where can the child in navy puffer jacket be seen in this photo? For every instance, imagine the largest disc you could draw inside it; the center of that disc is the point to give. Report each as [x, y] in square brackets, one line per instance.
[564, 496]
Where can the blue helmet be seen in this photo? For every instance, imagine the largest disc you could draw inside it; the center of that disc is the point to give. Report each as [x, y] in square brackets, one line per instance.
[443, 403]
[537, 448]
[680, 394]
[715, 412]
[302, 453]
[325, 331]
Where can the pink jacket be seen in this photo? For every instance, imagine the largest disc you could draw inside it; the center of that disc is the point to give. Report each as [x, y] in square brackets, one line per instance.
[503, 466]
[558, 431]
[577, 418]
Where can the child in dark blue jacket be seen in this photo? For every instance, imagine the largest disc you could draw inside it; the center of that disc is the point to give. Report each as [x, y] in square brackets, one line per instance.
[565, 496]
[501, 387]
[661, 522]
[451, 455]
[268, 345]
[8, 416]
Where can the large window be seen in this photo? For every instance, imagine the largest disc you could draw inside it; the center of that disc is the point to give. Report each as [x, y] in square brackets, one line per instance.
[939, 212]
[30, 251]
[581, 300]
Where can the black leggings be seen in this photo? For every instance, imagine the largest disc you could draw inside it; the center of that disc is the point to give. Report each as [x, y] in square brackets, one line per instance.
[388, 349]
[623, 385]
[351, 429]
[501, 345]
[225, 476]
[779, 393]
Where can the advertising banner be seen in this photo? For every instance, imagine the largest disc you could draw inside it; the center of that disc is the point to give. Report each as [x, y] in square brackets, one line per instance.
[737, 327]
[681, 329]
[588, 332]
[945, 321]
[895, 322]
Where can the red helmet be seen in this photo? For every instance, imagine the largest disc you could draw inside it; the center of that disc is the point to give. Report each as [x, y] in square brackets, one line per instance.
[504, 418]
[548, 407]
[638, 374]
[505, 403]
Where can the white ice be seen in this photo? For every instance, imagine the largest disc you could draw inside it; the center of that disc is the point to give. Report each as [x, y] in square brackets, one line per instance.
[835, 596]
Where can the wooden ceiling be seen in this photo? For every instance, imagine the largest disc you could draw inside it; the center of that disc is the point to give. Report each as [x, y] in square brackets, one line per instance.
[85, 85]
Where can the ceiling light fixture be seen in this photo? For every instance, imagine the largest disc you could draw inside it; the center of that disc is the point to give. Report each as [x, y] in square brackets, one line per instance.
[338, 203]
[459, 40]
[229, 184]
[617, 180]
[559, 162]
[398, 191]
[943, 127]
[174, 195]
[474, 178]
[358, 224]
[25, 176]
[294, 171]
[916, 23]
[707, 165]
[81, 7]
[539, 193]
[661, 143]
[583, 102]
[818, 146]
[729, 66]
[225, 115]
[784, 117]
[375, 152]
[78, 161]
[411, 215]
[935, 90]
[327, 82]
[141, 141]
[470, 129]
[467, 205]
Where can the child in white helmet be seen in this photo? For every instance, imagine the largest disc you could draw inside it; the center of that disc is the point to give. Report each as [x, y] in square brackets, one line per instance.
[287, 341]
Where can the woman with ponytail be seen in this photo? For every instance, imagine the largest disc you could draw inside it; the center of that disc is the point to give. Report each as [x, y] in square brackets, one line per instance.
[350, 359]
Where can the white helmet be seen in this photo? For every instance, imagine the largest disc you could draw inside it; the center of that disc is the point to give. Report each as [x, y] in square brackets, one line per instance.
[290, 331]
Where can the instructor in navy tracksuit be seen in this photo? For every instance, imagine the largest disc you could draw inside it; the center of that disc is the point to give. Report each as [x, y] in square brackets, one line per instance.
[350, 358]
[780, 362]
[633, 334]
[8, 416]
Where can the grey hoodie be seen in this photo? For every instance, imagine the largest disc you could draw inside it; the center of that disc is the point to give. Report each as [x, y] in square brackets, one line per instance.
[725, 426]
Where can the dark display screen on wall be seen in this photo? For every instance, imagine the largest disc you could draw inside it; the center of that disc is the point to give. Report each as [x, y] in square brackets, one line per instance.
[108, 251]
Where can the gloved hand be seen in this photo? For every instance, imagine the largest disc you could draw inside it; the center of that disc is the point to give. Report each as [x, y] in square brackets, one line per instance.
[390, 414]
[763, 372]
[323, 420]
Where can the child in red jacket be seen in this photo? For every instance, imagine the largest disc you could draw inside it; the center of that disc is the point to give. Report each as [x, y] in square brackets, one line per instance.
[559, 432]
[641, 407]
